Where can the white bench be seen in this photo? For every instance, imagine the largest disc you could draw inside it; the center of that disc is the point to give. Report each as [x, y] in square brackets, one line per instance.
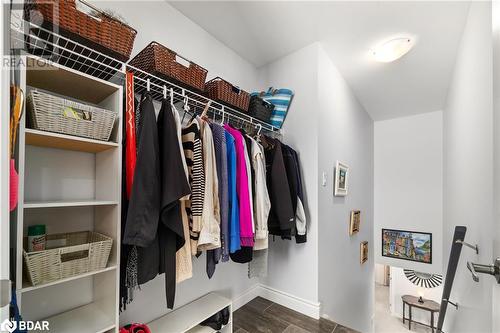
[187, 318]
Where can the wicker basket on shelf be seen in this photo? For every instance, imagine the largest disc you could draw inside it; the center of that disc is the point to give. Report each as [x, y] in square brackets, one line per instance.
[227, 93]
[163, 62]
[52, 113]
[67, 255]
[85, 24]
[260, 109]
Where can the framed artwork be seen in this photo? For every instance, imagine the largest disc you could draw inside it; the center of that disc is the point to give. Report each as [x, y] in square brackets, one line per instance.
[407, 245]
[363, 256]
[341, 179]
[354, 222]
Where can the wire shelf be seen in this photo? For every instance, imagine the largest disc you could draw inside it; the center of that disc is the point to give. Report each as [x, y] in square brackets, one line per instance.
[160, 88]
[51, 46]
[48, 45]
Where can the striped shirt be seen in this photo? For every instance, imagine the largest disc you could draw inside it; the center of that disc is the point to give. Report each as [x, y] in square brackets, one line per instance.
[193, 152]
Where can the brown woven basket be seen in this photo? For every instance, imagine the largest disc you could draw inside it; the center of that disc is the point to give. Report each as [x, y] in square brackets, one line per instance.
[223, 91]
[161, 61]
[87, 25]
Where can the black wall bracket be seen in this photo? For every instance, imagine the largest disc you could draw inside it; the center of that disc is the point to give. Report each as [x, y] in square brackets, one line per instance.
[450, 302]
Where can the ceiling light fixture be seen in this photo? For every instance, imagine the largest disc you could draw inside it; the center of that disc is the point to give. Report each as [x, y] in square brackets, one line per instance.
[392, 49]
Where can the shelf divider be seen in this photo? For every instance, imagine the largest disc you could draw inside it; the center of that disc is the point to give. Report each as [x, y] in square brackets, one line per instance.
[85, 319]
[27, 288]
[68, 203]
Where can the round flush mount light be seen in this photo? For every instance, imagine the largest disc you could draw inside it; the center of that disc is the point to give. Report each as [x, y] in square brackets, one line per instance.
[392, 49]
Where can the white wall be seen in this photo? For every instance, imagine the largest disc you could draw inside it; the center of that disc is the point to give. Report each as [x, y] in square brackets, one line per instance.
[409, 183]
[345, 133]
[400, 285]
[293, 268]
[468, 170]
[159, 21]
[379, 272]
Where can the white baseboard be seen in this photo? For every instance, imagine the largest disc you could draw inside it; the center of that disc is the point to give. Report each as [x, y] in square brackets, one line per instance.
[308, 308]
[246, 297]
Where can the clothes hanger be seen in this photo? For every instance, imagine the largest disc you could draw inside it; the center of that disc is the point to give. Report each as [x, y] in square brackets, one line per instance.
[164, 92]
[259, 129]
[148, 85]
[222, 120]
[186, 106]
[205, 111]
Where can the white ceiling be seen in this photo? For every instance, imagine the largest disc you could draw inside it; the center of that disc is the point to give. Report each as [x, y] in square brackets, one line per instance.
[262, 32]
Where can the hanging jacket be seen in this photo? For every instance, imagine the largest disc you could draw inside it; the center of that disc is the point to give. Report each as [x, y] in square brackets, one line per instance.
[281, 219]
[245, 210]
[247, 146]
[210, 228]
[183, 263]
[144, 206]
[193, 152]
[174, 186]
[219, 136]
[261, 201]
[234, 216]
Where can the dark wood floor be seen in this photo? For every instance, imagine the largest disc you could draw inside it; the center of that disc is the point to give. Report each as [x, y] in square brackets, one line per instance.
[263, 316]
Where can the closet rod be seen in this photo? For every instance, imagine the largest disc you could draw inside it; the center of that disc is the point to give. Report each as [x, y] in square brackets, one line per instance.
[155, 81]
[157, 92]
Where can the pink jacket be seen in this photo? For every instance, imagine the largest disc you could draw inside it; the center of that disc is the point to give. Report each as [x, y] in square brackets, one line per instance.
[246, 227]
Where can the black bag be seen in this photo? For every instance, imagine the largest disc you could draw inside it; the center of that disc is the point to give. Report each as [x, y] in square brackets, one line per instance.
[260, 109]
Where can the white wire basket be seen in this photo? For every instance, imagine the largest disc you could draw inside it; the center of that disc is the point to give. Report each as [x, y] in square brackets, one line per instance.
[67, 255]
[52, 113]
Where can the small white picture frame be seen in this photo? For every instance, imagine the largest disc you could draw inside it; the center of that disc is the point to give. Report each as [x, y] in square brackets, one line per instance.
[341, 179]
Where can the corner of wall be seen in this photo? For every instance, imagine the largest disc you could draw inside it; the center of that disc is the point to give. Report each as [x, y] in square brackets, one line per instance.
[345, 133]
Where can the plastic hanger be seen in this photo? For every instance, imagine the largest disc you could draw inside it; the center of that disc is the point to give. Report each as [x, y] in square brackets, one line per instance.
[148, 85]
[259, 129]
[223, 112]
[205, 111]
[164, 92]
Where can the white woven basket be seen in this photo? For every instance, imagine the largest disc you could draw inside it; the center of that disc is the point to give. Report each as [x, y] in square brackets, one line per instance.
[71, 254]
[48, 112]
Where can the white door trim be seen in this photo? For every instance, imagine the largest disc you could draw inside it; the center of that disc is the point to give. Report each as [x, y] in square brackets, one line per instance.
[4, 163]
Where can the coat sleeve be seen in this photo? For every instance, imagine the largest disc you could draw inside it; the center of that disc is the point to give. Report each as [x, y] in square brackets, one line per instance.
[280, 194]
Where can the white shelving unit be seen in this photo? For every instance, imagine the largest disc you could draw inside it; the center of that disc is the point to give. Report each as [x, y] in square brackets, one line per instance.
[187, 318]
[70, 184]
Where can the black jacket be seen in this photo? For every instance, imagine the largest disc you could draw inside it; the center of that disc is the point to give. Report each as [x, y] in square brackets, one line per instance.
[154, 221]
[144, 206]
[281, 221]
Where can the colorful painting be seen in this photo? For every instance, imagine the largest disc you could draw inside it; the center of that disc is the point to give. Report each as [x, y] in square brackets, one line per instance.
[407, 245]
